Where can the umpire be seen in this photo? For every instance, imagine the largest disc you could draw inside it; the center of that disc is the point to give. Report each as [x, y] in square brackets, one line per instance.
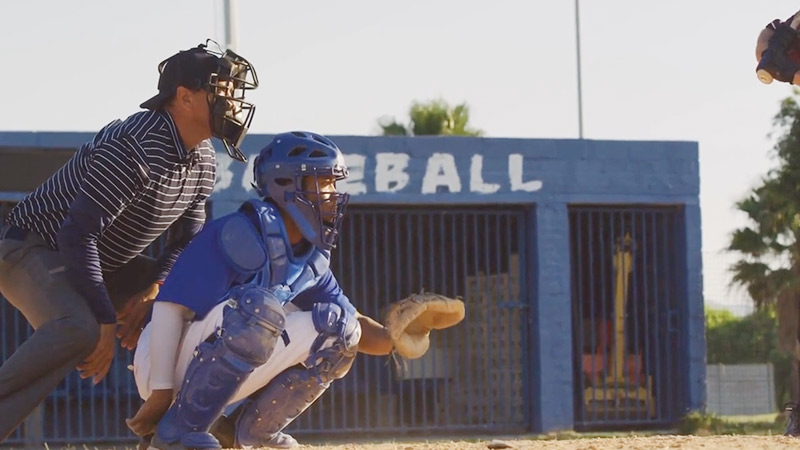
[70, 252]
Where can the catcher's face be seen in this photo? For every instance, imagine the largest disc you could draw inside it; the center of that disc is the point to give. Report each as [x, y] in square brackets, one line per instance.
[321, 191]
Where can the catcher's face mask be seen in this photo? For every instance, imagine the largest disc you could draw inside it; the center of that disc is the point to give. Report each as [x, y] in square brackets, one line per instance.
[318, 199]
[298, 171]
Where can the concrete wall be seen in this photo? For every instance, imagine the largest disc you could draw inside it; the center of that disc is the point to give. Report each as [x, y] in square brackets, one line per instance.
[741, 389]
[548, 173]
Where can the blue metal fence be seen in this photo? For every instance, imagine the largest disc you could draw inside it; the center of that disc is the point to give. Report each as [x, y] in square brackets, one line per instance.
[474, 377]
[628, 315]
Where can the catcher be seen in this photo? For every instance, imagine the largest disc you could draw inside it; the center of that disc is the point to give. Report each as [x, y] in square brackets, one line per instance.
[778, 50]
[252, 322]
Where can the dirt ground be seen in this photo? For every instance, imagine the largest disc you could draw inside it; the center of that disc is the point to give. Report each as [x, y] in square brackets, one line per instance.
[616, 443]
[660, 442]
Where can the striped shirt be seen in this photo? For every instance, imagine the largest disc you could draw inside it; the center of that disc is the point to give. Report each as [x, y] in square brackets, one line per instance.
[137, 179]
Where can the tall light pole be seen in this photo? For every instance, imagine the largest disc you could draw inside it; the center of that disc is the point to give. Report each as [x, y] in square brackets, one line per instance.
[578, 52]
[229, 17]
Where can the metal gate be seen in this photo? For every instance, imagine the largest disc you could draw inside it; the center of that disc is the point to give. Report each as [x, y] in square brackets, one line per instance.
[474, 377]
[628, 297]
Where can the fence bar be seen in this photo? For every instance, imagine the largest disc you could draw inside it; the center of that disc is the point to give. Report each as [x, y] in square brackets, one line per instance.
[625, 275]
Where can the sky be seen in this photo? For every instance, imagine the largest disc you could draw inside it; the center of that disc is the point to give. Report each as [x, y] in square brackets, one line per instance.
[679, 70]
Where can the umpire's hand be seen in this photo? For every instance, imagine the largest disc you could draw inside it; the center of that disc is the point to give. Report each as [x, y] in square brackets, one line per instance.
[133, 315]
[97, 364]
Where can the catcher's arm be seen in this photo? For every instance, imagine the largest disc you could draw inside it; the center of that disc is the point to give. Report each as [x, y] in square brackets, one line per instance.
[375, 339]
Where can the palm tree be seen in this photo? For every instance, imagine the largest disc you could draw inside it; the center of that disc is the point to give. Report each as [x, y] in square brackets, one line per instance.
[768, 266]
[432, 118]
[769, 245]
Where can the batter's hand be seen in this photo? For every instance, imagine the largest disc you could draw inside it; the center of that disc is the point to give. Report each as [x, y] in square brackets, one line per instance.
[97, 364]
[133, 315]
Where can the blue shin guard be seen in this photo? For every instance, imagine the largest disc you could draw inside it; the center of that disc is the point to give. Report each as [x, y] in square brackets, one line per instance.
[246, 340]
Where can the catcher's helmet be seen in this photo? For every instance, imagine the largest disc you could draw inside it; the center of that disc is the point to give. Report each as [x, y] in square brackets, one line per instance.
[224, 75]
[279, 170]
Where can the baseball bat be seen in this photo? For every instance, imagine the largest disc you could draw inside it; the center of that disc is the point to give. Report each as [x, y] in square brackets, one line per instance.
[764, 76]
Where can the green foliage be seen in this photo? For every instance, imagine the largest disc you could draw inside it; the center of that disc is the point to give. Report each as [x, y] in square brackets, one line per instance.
[769, 245]
[752, 339]
[704, 424]
[432, 118]
[741, 340]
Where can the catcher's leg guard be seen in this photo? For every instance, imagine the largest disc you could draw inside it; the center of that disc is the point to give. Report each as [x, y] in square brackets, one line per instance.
[250, 330]
[272, 408]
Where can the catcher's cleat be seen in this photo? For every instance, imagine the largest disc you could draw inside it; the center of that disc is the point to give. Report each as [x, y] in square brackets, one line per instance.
[793, 423]
[196, 440]
[224, 430]
[281, 440]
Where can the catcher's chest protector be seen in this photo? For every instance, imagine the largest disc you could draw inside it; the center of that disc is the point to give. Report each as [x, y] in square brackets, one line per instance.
[298, 273]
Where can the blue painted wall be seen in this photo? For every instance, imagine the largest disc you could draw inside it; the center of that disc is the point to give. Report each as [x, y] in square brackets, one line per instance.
[480, 170]
[550, 173]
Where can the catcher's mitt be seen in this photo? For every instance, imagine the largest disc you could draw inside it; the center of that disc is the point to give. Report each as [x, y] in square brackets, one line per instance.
[411, 320]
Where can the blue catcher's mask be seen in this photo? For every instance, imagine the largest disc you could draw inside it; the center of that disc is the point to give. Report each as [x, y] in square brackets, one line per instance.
[297, 171]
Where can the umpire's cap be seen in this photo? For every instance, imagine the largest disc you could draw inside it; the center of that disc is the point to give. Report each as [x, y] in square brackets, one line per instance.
[188, 68]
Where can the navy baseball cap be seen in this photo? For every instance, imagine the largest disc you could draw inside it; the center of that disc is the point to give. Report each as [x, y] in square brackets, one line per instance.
[191, 69]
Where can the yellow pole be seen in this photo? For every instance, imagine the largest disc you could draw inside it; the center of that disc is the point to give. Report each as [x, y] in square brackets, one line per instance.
[622, 269]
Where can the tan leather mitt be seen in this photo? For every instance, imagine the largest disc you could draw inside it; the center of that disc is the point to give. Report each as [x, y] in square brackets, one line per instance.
[411, 320]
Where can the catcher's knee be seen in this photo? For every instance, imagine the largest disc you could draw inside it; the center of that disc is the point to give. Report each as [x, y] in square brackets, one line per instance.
[331, 320]
[251, 327]
[333, 352]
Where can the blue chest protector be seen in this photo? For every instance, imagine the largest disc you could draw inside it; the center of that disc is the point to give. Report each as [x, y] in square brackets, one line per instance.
[248, 247]
[296, 273]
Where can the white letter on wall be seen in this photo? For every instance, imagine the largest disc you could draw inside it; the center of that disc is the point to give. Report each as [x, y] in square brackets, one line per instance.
[441, 171]
[224, 174]
[354, 184]
[247, 176]
[476, 183]
[515, 172]
[390, 172]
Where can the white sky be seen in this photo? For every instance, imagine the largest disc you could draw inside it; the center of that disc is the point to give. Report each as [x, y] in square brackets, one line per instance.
[666, 70]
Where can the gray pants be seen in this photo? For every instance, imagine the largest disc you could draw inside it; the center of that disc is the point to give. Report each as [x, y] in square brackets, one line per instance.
[33, 279]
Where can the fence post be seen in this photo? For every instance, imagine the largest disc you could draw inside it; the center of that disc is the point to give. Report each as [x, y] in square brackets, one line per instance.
[554, 318]
[695, 317]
